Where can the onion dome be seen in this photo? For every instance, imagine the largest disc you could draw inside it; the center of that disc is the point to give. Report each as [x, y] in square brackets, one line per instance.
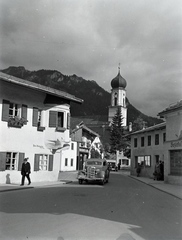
[118, 81]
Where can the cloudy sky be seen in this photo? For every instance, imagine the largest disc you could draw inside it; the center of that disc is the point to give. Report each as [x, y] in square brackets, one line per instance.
[90, 38]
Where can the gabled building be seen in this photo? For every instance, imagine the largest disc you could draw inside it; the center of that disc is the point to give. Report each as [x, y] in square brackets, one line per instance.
[87, 140]
[34, 123]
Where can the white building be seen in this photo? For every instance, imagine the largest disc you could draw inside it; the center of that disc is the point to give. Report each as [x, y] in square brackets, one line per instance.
[35, 123]
[118, 98]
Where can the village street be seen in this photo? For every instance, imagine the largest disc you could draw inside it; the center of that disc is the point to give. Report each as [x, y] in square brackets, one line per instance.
[122, 209]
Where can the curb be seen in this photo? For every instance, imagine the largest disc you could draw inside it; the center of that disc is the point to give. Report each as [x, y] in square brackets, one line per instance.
[156, 187]
[15, 189]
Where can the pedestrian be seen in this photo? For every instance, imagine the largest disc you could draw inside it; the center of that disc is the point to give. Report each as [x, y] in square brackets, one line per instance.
[25, 171]
[138, 170]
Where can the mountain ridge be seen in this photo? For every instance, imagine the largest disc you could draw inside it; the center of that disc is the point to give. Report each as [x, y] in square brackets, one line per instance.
[96, 99]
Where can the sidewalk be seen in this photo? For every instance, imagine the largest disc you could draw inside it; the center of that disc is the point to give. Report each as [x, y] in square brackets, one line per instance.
[68, 177]
[174, 190]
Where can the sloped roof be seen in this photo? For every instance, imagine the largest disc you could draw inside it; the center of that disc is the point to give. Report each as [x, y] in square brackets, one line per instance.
[149, 129]
[172, 107]
[39, 87]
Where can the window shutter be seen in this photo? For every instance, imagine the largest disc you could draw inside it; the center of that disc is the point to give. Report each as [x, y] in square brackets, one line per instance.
[20, 161]
[35, 117]
[2, 161]
[5, 110]
[24, 112]
[68, 121]
[52, 118]
[50, 162]
[36, 162]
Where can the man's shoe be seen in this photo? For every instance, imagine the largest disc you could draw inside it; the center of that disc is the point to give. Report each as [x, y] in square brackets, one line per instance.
[21, 184]
[29, 183]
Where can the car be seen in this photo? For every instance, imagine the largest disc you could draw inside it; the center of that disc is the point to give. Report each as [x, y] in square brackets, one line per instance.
[112, 165]
[95, 170]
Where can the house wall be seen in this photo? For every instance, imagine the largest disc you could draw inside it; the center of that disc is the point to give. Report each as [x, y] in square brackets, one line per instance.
[28, 139]
[173, 144]
[152, 151]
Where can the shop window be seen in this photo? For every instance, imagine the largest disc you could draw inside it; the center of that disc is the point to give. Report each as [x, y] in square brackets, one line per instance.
[156, 139]
[147, 161]
[11, 161]
[135, 142]
[141, 160]
[142, 141]
[149, 140]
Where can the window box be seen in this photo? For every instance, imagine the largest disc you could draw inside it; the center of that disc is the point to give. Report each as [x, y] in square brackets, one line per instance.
[16, 122]
[60, 129]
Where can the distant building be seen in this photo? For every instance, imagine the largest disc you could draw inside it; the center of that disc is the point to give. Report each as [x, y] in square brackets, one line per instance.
[35, 123]
[118, 98]
[161, 142]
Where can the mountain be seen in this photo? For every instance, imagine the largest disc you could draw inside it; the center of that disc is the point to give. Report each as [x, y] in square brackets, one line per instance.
[96, 99]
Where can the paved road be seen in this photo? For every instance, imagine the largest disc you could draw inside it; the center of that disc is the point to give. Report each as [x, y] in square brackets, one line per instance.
[122, 209]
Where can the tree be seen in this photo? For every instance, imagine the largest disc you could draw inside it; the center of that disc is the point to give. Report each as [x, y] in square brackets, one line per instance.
[138, 124]
[116, 132]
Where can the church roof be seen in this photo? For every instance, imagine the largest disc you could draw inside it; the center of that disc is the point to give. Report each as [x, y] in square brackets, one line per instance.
[118, 81]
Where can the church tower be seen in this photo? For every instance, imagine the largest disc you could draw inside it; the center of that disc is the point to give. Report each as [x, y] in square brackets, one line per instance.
[118, 98]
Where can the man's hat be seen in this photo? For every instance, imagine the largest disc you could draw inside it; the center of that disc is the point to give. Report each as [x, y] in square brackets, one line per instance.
[25, 159]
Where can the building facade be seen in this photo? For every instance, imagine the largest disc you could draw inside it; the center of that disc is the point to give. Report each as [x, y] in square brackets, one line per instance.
[147, 149]
[173, 143]
[35, 123]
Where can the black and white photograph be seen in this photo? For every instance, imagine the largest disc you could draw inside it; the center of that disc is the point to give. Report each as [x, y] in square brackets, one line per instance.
[90, 119]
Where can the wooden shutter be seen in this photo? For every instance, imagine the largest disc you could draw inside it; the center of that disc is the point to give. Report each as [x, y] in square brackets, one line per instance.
[50, 163]
[24, 112]
[36, 162]
[52, 118]
[35, 117]
[68, 120]
[2, 161]
[20, 160]
[5, 110]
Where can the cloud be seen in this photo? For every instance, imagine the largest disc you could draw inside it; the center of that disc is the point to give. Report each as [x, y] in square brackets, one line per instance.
[90, 39]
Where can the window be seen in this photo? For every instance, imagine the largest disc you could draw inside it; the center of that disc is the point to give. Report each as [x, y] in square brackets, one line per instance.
[43, 162]
[12, 110]
[11, 161]
[149, 140]
[135, 142]
[57, 120]
[156, 139]
[164, 137]
[72, 162]
[125, 162]
[141, 160]
[66, 162]
[142, 141]
[72, 146]
[147, 161]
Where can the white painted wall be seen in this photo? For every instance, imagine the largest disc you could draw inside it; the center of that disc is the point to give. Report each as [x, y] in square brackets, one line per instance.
[27, 139]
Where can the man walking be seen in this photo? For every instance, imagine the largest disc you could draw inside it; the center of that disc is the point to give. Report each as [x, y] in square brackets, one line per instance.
[25, 171]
